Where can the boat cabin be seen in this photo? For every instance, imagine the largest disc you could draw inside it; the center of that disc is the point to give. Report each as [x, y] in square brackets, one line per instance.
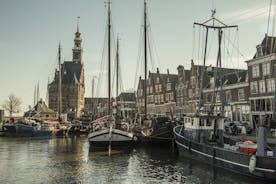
[205, 128]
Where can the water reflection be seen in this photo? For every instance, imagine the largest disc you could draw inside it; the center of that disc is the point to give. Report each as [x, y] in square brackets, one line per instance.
[68, 160]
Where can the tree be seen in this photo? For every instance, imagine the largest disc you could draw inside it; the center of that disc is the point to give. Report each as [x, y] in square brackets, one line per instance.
[12, 104]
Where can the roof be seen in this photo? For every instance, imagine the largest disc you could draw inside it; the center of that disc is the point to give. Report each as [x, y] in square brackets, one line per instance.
[39, 108]
[231, 78]
[126, 96]
[268, 46]
[70, 73]
[163, 77]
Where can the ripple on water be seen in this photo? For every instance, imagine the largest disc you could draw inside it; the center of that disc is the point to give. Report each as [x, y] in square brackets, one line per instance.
[68, 160]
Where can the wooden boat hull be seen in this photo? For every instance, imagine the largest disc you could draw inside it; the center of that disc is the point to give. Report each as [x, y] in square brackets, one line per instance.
[231, 160]
[100, 140]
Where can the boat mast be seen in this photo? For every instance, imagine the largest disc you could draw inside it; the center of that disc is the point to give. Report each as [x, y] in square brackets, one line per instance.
[218, 27]
[145, 49]
[117, 69]
[59, 84]
[109, 60]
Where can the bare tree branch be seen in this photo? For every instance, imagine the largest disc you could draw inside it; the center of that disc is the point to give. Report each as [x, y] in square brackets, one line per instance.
[12, 104]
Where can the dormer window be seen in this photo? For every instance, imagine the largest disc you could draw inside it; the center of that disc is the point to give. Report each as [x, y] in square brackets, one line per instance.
[259, 50]
[157, 80]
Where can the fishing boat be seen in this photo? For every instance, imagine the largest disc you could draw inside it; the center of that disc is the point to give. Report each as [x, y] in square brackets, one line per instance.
[201, 135]
[152, 129]
[110, 132]
[26, 129]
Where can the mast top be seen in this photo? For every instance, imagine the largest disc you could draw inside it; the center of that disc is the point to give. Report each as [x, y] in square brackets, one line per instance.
[78, 22]
[215, 23]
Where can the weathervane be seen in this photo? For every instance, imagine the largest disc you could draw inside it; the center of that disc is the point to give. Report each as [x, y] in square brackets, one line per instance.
[213, 13]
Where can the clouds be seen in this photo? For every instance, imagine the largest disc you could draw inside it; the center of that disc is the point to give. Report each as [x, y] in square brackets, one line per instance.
[248, 14]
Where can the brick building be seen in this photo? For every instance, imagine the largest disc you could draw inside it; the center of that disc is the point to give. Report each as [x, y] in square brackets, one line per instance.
[261, 77]
[72, 76]
[235, 94]
[161, 96]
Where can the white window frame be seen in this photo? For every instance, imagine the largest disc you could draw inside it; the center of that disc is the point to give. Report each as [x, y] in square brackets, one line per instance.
[241, 94]
[262, 86]
[254, 88]
[270, 84]
[266, 69]
[255, 71]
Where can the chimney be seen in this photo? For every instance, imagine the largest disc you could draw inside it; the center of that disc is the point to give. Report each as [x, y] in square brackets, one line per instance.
[158, 70]
[168, 72]
[180, 70]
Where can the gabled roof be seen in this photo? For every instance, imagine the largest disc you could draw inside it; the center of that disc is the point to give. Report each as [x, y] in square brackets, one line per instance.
[70, 73]
[126, 96]
[39, 108]
[231, 78]
[268, 46]
[163, 77]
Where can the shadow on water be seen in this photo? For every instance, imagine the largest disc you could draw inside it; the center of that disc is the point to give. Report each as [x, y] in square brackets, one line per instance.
[68, 160]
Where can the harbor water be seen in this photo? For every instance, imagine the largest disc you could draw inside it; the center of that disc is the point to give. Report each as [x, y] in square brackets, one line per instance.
[68, 160]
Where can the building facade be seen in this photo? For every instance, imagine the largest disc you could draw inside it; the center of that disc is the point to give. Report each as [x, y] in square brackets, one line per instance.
[96, 107]
[261, 78]
[233, 95]
[188, 85]
[126, 105]
[161, 95]
[72, 77]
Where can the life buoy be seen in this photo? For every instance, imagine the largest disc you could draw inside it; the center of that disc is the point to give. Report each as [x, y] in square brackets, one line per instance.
[124, 127]
[98, 127]
[252, 163]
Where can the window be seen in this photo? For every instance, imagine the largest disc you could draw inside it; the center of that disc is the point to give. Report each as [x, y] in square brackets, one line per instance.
[208, 98]
[193, 82]
[270, 83]
[241, 95]
[228, 96]
[252, 105]
[266, 68]
[217, 97]
[190, 93]
[255, 71]
[254, 87]
[262, 86]
[268, 104]
[157, 80]
[168, 86]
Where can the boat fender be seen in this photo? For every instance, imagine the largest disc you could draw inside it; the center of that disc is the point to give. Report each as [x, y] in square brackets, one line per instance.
[252, 163]
[135, 138]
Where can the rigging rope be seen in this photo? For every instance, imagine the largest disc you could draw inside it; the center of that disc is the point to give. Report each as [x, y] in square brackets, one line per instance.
[268, 21]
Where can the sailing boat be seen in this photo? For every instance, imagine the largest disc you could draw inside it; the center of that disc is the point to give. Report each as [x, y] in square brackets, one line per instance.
[154, 130]
[106, 133]
[201, 136]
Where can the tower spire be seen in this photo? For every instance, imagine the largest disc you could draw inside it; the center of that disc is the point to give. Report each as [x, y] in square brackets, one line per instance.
[77, 49]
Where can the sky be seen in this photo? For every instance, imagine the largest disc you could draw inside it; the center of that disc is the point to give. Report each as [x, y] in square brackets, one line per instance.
[31, 30]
